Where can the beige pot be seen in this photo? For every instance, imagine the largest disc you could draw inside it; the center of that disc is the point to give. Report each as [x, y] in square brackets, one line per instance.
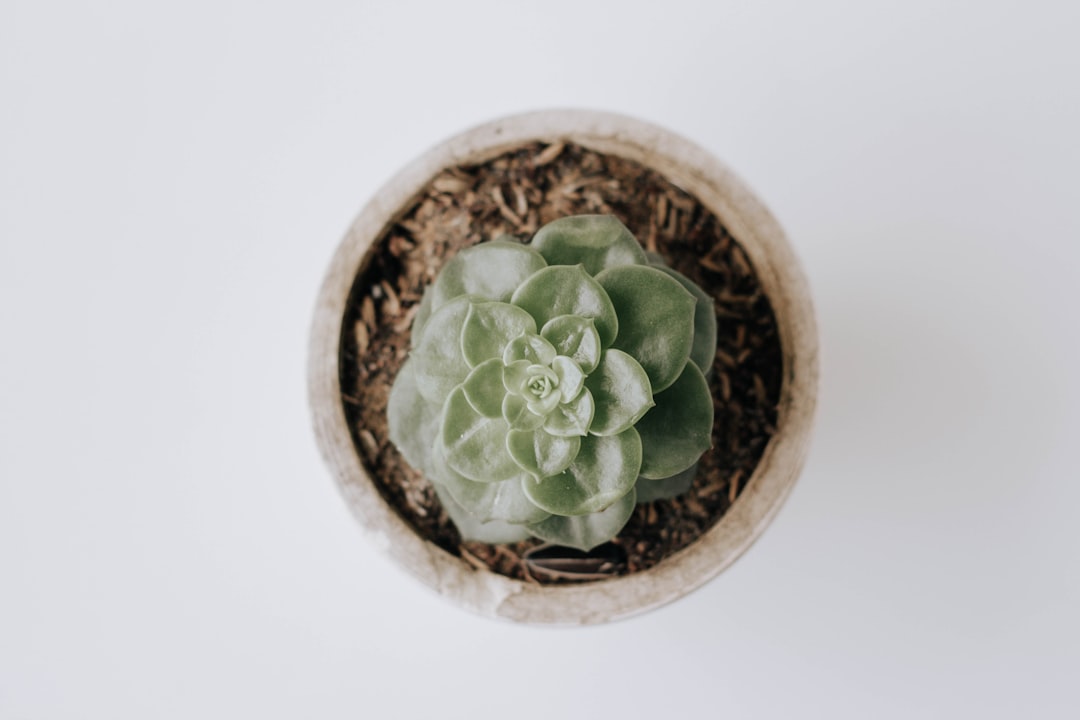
[696, 171]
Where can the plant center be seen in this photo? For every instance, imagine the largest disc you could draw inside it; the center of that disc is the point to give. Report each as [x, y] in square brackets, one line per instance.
[542, 382]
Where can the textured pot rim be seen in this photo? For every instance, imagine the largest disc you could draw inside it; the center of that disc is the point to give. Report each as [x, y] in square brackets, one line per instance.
[695, 170]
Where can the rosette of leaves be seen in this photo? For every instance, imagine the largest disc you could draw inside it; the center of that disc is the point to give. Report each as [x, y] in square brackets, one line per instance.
[553, 385]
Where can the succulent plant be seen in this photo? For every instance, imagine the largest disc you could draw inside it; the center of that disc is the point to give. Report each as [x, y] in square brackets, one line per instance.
[553, 385]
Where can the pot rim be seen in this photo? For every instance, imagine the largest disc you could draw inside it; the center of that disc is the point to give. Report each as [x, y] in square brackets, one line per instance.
[695, 170]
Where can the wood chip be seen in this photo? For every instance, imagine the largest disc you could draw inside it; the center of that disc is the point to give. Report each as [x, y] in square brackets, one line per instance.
[360, 334]
[449, 184]
[367, 312]
[371, 447]
[733, 485]
[548, 154]
[504, 209]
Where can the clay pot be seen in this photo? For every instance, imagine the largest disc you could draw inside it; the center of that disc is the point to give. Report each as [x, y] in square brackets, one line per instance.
[778, 271]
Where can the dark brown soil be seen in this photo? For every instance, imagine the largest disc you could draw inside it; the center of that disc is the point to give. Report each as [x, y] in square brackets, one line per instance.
[517, 193]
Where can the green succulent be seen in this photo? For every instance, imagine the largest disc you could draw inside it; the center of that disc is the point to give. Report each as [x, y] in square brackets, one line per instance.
[551, 386]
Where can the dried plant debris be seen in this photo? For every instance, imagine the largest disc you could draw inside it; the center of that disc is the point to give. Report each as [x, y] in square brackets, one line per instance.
[515, 194]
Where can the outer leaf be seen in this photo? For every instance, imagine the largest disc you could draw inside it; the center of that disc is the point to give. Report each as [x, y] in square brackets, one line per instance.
[678, 430]
[505, 501]
[423, 313]
[622, 393]
[476, 530]
[475, 445]
[703, 350]
[585, 532]
[490, 327]
[656, 319]
[595, 241]
[573, 418]
[576, 338]
[568, 290]
[484, 388]
[412, 420]
[604, 470]
[649, 490]
[440, 364]
[540, 453]
[491, 270]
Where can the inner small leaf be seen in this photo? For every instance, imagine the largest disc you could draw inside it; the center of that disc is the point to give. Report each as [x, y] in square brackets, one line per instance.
[576, 338]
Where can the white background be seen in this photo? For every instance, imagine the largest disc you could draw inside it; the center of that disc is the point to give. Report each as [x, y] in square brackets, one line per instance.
[174, 180]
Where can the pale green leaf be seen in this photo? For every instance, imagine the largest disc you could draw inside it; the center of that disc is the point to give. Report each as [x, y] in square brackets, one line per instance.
[473, 529]
[440, 364]
[595, 241]
[572, 418]
[576, 338]
[621, 391]
[489, 328]
[678, 430]
[504, 500]
[703, 350]
[536, 384]
[541, 453]
[544, 405]
[604, 470]
[584, 532]
[533, 348]
[516, 412]
[570, 377]
[412, 421]
[475, 445]
[491, 270]
[649, 490]
[423, 314]
[568, 290]
[516, 375]
[484, 388]
[656, 319]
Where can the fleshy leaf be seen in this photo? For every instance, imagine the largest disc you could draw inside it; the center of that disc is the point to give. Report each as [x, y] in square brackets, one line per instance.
[541, 453]
[504, 500]
[604, 470]
[678, 430]
[703, 350]
[571, 379]
[568, 290]
[476, 530]
[484, 388]
[491, 270]
[412, 421]
[595, 241]
[475, 445]
[576, 338]
[622, 393]
[440, 364]
[529, 347]
[573, 418]
[517, 414]
[649, 490]
[490, 327]
[585, 532]
[516, 375]
[423, 313]
[543, 406]
[656, 319]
